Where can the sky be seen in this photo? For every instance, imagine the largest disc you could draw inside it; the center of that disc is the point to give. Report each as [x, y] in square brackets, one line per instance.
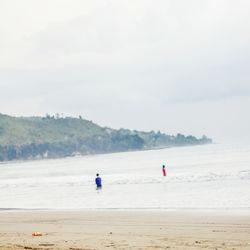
[171, 65]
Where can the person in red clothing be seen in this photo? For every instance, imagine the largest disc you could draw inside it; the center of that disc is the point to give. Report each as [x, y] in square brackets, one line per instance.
[164, 171]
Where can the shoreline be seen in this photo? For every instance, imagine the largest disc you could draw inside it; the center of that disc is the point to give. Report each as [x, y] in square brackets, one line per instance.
[115, 229]
[221, 211]
[16, 161]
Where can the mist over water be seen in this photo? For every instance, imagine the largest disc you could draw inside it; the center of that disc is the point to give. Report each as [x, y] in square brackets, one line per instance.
[215, 176]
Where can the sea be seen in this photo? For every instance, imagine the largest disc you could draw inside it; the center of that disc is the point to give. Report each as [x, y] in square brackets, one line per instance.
[204, 177]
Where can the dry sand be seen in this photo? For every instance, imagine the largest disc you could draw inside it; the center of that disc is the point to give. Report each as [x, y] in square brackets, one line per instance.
[78, 230]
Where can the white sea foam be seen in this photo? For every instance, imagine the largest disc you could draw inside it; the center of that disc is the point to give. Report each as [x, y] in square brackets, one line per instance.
[210, 176]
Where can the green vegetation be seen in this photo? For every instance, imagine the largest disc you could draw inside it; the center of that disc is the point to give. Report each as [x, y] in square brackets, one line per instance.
[54, 136]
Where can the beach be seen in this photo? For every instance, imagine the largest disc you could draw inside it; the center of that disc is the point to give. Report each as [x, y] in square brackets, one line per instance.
[202, 203]
[115, 229]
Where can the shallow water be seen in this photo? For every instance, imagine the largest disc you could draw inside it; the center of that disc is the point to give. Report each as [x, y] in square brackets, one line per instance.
[214, 176]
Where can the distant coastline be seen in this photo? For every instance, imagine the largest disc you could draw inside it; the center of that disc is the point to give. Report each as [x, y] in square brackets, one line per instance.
[30, 138]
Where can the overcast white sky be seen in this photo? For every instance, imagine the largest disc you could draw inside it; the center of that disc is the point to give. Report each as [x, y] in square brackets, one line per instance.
[175, 66]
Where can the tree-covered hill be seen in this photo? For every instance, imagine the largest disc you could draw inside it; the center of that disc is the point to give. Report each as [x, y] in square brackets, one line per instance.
[54, 136]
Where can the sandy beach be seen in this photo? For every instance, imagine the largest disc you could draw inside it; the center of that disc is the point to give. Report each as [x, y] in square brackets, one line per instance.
[77, 230]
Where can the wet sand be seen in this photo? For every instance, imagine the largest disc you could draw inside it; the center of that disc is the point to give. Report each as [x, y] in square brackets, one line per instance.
[78, 230]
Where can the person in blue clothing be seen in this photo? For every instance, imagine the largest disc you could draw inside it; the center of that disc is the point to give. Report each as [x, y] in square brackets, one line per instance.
[98, 182]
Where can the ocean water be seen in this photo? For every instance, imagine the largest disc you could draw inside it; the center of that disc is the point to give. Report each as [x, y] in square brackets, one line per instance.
[214, 176]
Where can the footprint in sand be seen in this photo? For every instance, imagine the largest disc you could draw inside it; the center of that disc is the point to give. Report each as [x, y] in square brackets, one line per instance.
[46, 244]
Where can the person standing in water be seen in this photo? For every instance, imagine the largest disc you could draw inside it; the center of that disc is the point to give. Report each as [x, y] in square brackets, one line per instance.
[164, 171]
[98, 182]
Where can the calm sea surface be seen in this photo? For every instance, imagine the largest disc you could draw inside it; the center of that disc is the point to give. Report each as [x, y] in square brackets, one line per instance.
[212, 176]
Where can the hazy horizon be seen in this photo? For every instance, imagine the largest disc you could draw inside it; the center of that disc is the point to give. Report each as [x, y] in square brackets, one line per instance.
[174, 66]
